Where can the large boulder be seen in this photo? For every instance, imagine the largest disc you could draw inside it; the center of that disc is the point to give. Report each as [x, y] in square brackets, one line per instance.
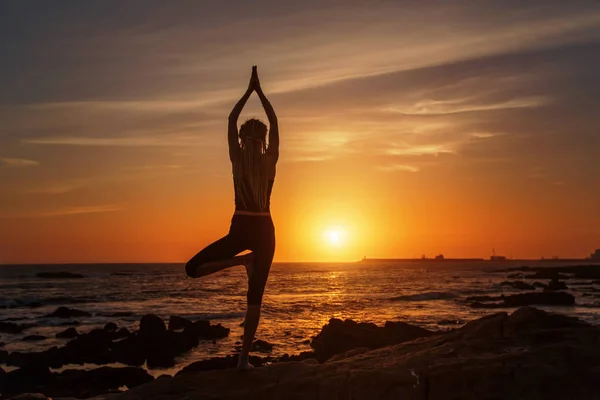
[528, 355]
[152, 325]
[340, 336]
[177, 323]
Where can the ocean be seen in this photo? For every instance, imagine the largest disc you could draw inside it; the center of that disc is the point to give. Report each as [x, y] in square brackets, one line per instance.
[299, 299]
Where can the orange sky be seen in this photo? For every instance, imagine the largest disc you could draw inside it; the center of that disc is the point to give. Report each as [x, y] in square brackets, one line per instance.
[413, 130]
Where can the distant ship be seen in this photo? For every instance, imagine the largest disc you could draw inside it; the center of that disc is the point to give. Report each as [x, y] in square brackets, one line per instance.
[494, 257]
[595, 256]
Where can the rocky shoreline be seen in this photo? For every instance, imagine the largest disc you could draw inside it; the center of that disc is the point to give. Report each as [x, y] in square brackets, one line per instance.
[530, 354]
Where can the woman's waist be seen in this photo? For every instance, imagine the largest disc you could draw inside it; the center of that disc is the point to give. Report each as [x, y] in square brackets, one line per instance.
[249, 213]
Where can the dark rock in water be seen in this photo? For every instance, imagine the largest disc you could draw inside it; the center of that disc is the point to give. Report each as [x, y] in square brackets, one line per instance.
[151, 325]
[11, 327]
[518, 275]
[34, 338]
[538, 284]
[68, 333]
[117, 314]
[3, 356]
[554, 285]
[65, 312]
[518, 285]
[177, 323]
[58, 275]
[121, 333]
[111, 327]
[451, 322]
[547, 275]
[526, 299]
[261, 346]
[484, 298]
[528, 355]
[204, 330]
[340, 336]
[2, 379]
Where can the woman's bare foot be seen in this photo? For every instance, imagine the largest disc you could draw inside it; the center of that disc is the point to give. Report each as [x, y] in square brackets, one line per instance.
[244, 365]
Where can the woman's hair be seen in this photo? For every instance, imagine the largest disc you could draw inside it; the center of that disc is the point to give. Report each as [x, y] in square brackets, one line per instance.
[251, 173]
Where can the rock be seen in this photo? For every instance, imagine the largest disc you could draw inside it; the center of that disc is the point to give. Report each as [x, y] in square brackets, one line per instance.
[65, 312]
[68, 333]
[549, 274]
[69, 323]
[554, 285]
[484, 298]
[219, 363]
[340, 336]
[74, 383]
[34, 338]
[177, 323]
[27, 380]
[528, 355]
[261, 346]
[204, 330]
[110, 327]
[518, 285]
[121, 334]
[58, 275]
[11, 327]
[3, 356]
[30, 396]
[451, 322]
[527, 299]
[152, 325]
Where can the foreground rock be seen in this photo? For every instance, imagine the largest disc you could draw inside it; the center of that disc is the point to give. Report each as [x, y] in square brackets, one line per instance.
[72, 383]
[529, 355]
[340, 336]
[66, 312]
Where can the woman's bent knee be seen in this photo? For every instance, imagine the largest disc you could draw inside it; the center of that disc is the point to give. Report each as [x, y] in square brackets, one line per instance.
[190, 269]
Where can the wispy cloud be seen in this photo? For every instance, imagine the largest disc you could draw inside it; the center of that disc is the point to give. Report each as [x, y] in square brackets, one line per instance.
[17, 162]
[399, 167]
[115, 141]
[81, 210]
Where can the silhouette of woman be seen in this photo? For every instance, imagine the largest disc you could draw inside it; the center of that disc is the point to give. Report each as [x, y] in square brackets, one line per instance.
[253, 165]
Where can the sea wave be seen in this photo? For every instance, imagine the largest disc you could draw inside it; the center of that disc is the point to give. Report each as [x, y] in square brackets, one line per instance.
[425, 296]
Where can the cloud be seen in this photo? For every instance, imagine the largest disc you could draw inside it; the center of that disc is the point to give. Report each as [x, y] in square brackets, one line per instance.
[118, 141]
[399, 167]
[76, 210]
[17, 162]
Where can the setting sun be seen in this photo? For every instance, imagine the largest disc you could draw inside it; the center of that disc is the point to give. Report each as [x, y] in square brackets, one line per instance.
[335, 236]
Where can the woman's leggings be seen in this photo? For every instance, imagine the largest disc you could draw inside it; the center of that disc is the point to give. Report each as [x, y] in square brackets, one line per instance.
[247, 232]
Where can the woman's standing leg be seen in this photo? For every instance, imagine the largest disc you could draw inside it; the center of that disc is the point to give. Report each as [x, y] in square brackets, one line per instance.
[262, 258]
